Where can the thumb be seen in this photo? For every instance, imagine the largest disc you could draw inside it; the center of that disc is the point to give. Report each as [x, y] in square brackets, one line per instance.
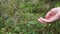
[48, 15]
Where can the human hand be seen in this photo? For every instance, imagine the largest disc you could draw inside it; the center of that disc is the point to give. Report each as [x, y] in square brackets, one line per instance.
[52, 16]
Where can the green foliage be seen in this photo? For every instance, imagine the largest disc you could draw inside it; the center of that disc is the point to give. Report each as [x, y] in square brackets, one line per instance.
[57, 4]
[21, 17]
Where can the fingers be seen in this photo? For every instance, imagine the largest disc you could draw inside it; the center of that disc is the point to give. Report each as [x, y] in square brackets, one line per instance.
[56, 17]
[42, 20]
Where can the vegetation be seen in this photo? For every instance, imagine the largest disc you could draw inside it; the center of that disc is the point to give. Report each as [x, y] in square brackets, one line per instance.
[20, 17]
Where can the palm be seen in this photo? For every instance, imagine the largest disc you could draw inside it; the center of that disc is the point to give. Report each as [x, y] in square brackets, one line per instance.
[51, 16]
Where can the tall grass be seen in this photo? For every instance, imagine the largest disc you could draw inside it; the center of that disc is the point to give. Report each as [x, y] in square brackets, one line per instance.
[20, 17]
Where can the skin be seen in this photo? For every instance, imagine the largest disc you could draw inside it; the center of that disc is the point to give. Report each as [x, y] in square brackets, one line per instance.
[51, 16]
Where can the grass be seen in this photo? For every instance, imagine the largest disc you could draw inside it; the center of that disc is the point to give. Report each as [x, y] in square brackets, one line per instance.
[21, 17]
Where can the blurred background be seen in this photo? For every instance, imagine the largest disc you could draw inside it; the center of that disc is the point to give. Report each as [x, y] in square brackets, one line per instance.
[21, 17]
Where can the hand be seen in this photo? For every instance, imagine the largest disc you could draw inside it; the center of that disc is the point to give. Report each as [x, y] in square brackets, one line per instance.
[51, 16]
